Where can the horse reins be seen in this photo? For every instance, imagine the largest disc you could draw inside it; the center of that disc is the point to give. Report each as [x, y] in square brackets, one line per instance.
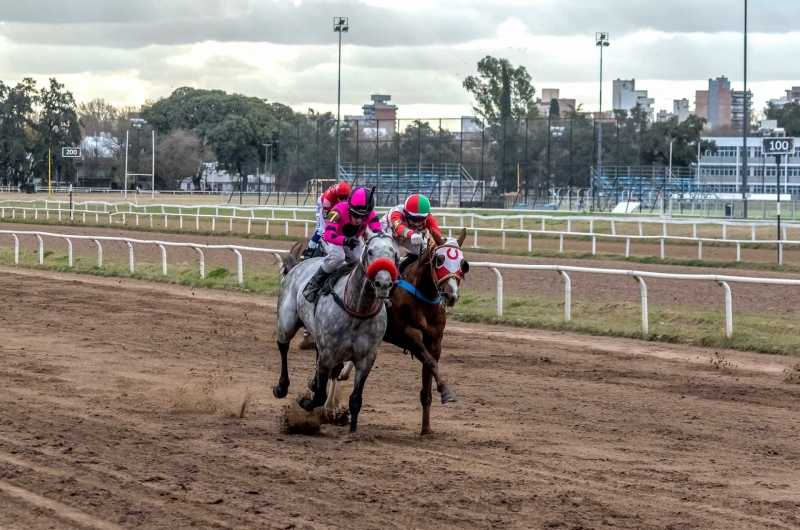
[343, 305]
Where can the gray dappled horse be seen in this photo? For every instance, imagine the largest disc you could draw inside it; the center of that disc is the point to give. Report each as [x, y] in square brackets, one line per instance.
[349, 333]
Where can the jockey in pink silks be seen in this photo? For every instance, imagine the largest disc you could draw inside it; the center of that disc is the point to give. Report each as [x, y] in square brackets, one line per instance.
[345, 226]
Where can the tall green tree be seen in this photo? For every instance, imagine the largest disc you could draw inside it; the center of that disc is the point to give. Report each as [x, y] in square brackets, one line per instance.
[17, 130]
[501, 90]
[57, 126]
[788, 117]
[232, 125]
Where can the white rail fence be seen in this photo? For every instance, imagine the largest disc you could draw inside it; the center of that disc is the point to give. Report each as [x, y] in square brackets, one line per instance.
[563, 271]
[639, 276]
[162, 245]
[255, 212]
[503, 232]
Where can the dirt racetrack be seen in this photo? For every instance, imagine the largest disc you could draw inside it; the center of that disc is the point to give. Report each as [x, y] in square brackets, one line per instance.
[117, 402]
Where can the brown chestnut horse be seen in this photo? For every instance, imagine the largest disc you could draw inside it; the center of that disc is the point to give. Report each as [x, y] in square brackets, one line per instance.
[417, 320]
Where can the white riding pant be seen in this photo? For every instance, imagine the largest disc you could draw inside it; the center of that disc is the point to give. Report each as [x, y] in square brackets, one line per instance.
[336, 255]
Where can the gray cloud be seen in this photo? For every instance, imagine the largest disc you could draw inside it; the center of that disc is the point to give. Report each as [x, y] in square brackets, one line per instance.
[125, 24]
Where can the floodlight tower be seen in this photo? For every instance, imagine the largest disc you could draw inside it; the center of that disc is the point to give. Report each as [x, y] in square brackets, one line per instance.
[340, 25]
[602, 40]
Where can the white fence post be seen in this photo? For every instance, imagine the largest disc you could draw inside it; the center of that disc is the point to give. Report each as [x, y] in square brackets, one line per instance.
[99, 253]
[567, 296]
[130, 255]
[613, 228]
[530, 242]
[499, 291]
[594, 245]
[645, 318]
[627, 247]
[504, 240]
[663, 254]
[163, 260]
[202, 262]
[700, 250]
[16, 249]
[738, 252]
[239, 266]
[41, 249]
[69, 252]
[561, 243]
[728, 309]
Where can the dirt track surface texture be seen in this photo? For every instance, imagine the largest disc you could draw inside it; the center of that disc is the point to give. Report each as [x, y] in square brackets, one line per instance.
[117, 403]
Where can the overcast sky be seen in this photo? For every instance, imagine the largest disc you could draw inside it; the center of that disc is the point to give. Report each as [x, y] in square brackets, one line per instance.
[419, 51]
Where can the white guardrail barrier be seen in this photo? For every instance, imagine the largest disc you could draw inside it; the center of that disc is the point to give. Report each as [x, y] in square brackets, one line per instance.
[162, 245]
[124, 217]
[443, 213]
[563, 271]
[639, 276]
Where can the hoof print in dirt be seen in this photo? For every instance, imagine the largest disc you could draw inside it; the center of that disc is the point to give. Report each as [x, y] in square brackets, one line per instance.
[339, 416]
[295, 420]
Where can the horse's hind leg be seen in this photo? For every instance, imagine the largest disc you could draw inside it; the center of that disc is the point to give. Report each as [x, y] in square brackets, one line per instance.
[425, 397]
[282, 388]
[348, 367]
[332, 384]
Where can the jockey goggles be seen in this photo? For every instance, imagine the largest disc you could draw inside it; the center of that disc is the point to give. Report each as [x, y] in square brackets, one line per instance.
[416, 219]
[356, 214]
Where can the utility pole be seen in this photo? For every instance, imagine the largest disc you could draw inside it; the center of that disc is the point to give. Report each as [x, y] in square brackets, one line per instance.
[745, 123]
[602, 41]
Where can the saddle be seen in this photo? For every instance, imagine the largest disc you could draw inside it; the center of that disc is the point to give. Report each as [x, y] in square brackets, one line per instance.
[330, 282]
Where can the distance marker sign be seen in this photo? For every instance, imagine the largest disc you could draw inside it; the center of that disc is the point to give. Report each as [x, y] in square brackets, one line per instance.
[71, 152]
[778, 146]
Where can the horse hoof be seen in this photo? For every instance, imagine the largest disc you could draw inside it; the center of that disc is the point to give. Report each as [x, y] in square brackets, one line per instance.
[312, 384]
[307, 404]
[279, 392]
[448, 396]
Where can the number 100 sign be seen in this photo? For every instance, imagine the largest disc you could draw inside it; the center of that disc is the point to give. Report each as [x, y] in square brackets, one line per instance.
[778, 146]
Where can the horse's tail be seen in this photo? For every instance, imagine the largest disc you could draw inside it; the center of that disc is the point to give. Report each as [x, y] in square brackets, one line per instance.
[286, 262]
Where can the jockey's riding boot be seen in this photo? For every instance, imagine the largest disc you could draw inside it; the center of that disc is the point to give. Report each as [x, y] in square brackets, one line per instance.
[314, 285]
[406, 261]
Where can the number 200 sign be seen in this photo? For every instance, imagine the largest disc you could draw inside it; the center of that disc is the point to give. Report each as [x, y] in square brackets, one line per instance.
[778, 146]
[71, 152]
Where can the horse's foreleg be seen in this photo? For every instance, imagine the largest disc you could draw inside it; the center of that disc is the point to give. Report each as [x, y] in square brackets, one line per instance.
[321, 393]
[282, 388]
[426, 398]
[362, 372]
[421, 352]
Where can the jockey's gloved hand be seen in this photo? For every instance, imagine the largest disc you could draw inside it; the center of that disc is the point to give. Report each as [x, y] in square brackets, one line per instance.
[308, 253]
[351, 242]
[416, 239]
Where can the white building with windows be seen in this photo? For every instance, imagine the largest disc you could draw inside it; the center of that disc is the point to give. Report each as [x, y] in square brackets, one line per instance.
[723, 170]
[626, 97]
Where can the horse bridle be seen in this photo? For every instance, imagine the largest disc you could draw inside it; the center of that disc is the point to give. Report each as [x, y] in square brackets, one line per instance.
[437, 282]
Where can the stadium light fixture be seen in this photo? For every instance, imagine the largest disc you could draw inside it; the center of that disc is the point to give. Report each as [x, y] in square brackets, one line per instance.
[602, 40]
[340, 25]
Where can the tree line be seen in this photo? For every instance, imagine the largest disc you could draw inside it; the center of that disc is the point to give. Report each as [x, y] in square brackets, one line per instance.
[509, 139]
